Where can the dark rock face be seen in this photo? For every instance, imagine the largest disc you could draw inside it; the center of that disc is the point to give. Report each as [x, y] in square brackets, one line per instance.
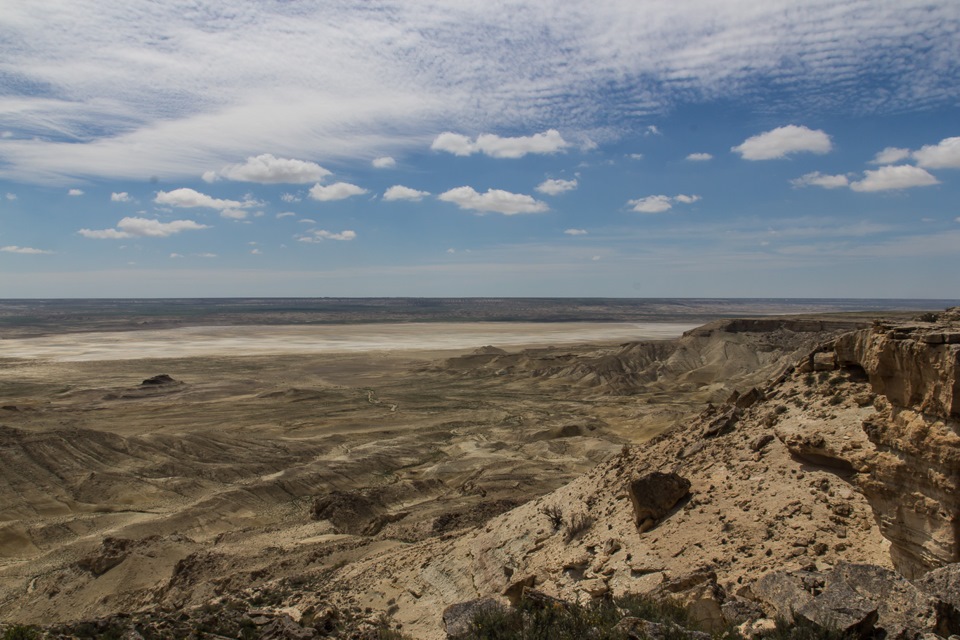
[158, 380]
[862, 600]
[112, 552]
[654, 495]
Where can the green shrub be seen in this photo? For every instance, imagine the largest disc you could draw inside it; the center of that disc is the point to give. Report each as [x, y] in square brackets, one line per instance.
[20, 632]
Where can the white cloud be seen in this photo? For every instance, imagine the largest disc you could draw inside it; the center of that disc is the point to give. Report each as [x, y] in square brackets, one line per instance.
[207, 255]
[490, 144]
[256, 252]
[384, 162]
[943, 155]
[902, 176]
[233, 214]
[142, 228]
[122, 196]
[335, 191]
[818, 179]
[660, 203]
[595, 258]
[24, 250]
[493, 201]
[268, 169]
[176, 255]
[783, 141]
[75, 192]
[554, 187]
[189, 198]
[451, 250]
[651, 204]
[576, 232]
[652, 130]
[399, 192]
[307, 221]
[290, 197]
[636, 156]
[118, 103]
[286, 214]
[890, 155]
[699, 157]
[318, 235]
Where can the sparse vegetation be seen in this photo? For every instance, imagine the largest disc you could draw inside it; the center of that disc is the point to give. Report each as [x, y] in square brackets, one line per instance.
[20, 632]
[579, 522]
[555, 514]
[597, 620]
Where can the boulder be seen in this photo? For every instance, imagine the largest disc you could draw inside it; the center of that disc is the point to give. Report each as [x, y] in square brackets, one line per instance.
[654, 495]
[458, 618]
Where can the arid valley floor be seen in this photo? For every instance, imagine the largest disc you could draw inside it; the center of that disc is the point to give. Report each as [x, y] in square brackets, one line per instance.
[162, 470]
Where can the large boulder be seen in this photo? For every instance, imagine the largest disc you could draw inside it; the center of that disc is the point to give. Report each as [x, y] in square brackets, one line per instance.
[654, 495]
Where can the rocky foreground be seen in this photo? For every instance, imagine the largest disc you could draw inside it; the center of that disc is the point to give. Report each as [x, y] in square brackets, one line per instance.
[828, 494]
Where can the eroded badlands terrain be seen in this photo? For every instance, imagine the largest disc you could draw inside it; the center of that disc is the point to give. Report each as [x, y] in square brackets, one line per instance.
[304, 491]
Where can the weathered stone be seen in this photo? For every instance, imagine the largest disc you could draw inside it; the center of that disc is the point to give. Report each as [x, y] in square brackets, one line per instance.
[514, 591]
[842, 608]
[640, 629]
[781, 593]
[738, 610]
[943, 584]
[824, 361]
[761, 441]
[654, 495]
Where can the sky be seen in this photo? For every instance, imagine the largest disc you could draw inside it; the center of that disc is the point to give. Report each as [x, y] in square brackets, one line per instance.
[617, 148]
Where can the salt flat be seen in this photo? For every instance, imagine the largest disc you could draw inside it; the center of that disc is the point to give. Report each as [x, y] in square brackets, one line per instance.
[316, 339]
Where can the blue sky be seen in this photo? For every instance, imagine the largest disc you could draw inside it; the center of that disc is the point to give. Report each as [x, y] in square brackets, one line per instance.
[628, 149]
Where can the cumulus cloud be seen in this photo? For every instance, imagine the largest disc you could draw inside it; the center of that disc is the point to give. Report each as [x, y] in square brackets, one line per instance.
[555, 187]
[319, 235]
[652, 130]
[659, 203]
[384, 162]
[122, 196]
[132, 227]
[890, 155]
[268, 169]
[233, 214]
[817, 179]
[493, 201]
[75, 192]
[399, 192]
[783, 141]
[189, 198]
[943, 155]
[576, 232]
[699, 157]
[24, 250]
[335, 191]
[290, 197]
[902, 176]
[490, 144]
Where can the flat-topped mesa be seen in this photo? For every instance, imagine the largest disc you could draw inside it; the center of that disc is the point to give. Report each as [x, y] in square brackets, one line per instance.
[913, 479]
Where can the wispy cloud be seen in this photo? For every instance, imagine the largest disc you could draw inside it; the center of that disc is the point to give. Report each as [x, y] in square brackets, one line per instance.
[319, 235]
[699, 157]
[75, 192]
[335, 191]
[494, 146]
[818, 179]
[24, 250]
[400, 192]
[268, 169]
[782, 142]
[383, 162]
[553, 187]
[659, 204]
[133, 227]
[131, 91]
[575, 232]
[493, 201]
